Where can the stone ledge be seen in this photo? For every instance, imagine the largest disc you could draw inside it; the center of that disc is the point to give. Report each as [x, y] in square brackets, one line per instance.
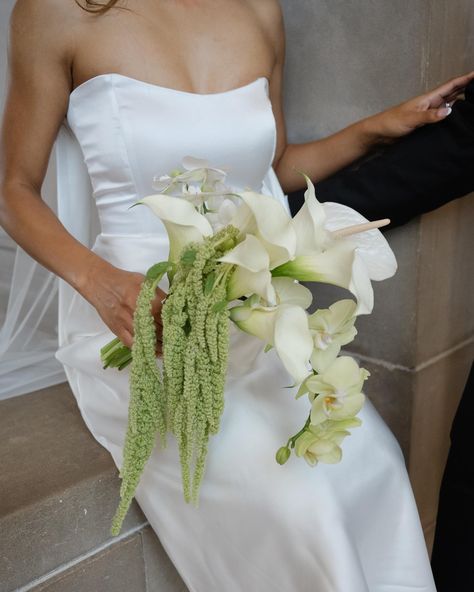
[59, 490]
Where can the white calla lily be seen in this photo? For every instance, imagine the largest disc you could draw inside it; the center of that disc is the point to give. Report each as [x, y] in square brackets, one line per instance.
[252, 273]
[182, 222]
[267, 219]
[285, 327]
[309, 224]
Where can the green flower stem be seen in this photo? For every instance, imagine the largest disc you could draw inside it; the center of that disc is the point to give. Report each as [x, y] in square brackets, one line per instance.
[292, 440]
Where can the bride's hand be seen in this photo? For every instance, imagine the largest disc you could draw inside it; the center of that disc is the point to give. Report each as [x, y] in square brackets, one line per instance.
[113, 292]
[429, 107]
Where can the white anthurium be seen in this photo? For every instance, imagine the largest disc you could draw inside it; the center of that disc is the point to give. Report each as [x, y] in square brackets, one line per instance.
[337, 392]
[321, 228]
[183, 223]
[372, 246]
[252, 274]
[319, 225]
[290, 291]
[285, 327]
[322, 443]
[331, 329]
[267, 219]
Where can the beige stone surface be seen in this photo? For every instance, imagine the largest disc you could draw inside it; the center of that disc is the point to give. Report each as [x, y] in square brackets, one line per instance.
[118, 568]
[346, 61]
[437, 391]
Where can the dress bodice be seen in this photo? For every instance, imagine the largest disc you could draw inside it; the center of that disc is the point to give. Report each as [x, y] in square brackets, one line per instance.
[130, 131]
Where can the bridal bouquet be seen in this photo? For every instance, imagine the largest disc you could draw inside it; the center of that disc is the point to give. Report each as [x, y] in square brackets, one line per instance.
[239, 257]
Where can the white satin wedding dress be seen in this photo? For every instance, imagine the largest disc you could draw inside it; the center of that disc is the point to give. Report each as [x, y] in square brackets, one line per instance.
[260, 527]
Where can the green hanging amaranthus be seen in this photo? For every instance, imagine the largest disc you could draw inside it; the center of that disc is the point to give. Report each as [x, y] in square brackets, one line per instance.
[147, 413]
[188, 400]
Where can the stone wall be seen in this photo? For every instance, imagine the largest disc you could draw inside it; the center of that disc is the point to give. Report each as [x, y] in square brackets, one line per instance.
[347, 60]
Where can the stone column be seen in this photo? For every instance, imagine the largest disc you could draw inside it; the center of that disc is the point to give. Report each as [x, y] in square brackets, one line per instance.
[347, 60]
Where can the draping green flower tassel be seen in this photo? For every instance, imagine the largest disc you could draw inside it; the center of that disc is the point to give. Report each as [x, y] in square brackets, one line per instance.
[146, 413]
[195, 351]
[189, 399]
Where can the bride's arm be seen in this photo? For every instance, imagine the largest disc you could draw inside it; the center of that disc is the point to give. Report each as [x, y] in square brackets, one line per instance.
[39, 61]
[323, 157]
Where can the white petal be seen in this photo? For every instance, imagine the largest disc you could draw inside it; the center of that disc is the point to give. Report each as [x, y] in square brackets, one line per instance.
[290, 291]
[245, 283]
[182, 222]
[269, 220]
[190, 163]
[227, 211]
[321, 359]
[292, 340]
[343, 373]
[256, 322]
[250, 253]
[361, 286]
[309, 223]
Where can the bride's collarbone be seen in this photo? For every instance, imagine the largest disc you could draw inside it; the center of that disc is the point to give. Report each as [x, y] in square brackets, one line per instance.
[188, 54]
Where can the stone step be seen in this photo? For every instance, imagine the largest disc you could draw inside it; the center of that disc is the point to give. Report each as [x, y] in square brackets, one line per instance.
[59, 489]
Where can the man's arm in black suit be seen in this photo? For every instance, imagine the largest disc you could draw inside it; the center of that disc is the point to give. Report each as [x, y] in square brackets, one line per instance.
[414, 175]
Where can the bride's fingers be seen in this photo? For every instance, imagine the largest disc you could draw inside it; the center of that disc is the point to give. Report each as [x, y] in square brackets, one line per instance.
[455, 85]
[125, 337]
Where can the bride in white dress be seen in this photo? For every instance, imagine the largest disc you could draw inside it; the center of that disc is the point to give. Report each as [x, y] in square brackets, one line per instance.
[119, 81]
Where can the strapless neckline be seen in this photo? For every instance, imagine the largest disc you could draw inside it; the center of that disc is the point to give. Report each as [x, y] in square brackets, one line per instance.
[158, 87]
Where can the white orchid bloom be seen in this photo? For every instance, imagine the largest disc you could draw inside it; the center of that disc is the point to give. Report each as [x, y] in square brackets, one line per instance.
[252, 274]
[321, 443]
[331, 329]
[337, 392]
[267, 219]
[285, 327]
[208, 180]
[182, 222]
[290, 291]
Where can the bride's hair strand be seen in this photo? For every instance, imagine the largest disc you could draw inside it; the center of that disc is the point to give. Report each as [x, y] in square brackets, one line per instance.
[97, 7]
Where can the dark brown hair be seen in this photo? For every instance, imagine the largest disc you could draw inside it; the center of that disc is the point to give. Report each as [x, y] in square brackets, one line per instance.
[98, 7]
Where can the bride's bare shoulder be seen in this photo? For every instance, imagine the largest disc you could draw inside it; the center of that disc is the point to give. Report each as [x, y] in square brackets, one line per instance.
[268, 11]
[56, 20]
[270, 15]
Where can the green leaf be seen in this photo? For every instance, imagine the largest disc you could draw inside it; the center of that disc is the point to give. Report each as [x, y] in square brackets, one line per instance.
[267, 348]
[188, 257]
[157, 271]
[219, 306]
[209, 284]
